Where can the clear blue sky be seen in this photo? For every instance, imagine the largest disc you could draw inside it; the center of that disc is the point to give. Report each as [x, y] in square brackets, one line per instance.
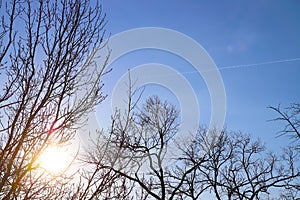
[233, 33]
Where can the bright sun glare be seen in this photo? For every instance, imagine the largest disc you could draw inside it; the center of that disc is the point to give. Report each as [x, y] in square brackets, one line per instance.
[55, 159]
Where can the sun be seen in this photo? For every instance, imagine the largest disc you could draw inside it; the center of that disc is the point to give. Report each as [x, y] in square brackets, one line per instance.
[55, 159]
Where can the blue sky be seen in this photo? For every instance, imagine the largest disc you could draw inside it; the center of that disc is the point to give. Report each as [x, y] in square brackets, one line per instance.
[233, 33]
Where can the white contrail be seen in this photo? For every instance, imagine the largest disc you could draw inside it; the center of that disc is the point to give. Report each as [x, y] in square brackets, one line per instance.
[247, 65]
[238, 66]
[261, 63]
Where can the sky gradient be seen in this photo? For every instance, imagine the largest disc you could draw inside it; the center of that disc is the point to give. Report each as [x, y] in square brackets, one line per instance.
[236, 34]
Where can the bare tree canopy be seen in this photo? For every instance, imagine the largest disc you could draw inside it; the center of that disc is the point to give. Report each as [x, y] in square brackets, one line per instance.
[291, 117]
[227, 165]
[46, 53]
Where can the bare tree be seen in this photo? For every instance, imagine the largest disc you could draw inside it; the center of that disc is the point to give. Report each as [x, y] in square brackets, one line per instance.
[238, 168]
[47, 51]
[137, 145]
[290, 116]
[228, 165]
